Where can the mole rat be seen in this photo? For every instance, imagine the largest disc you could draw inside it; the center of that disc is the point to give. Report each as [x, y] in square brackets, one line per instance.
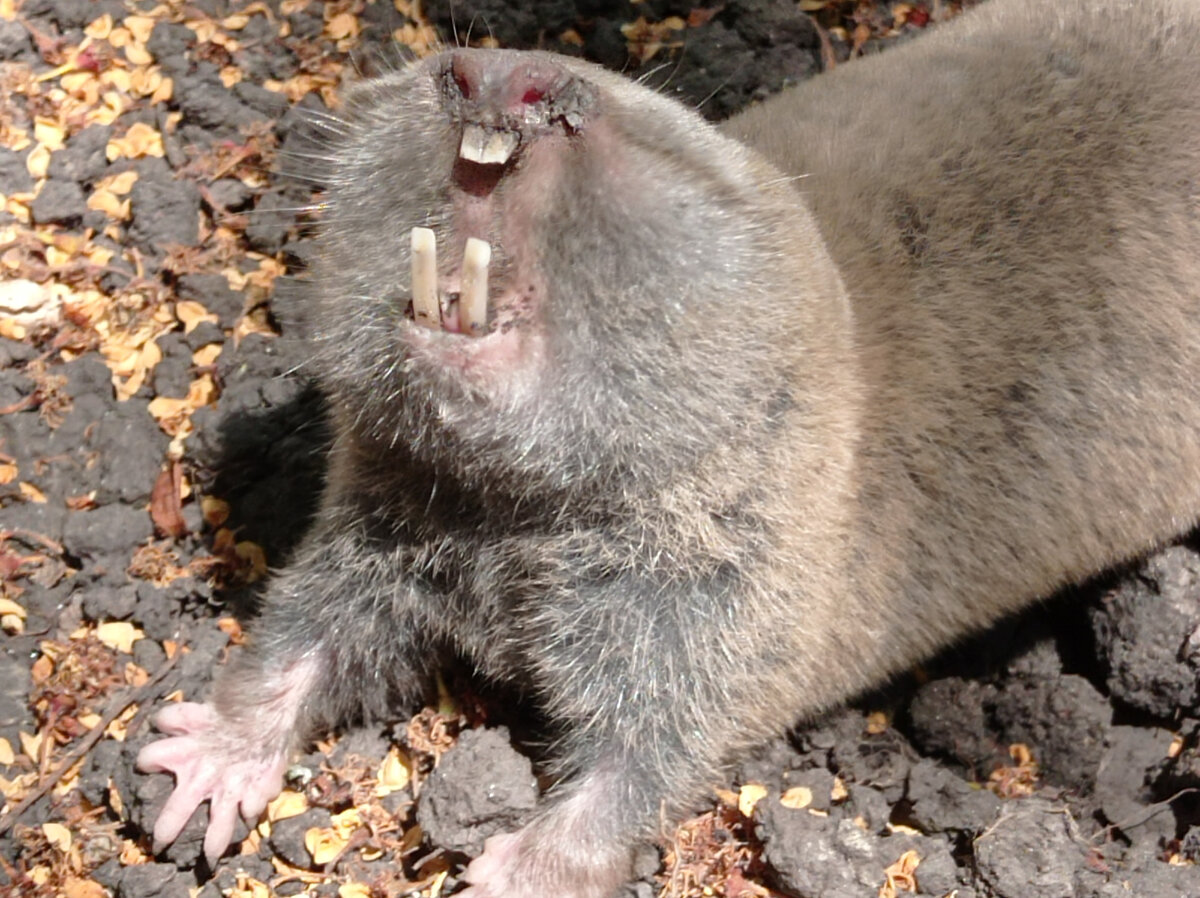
[697, 432]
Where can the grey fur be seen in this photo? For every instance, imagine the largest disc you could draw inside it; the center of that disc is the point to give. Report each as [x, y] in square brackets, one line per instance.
[768, 457]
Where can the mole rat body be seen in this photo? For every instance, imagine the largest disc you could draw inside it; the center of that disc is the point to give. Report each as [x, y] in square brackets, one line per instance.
[749, 424]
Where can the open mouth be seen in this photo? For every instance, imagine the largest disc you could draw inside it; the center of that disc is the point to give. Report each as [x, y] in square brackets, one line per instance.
[484, 154]
[462, 312]
[459, 322]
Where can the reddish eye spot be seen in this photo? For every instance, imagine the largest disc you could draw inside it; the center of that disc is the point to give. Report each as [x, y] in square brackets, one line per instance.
[464, 86]
[533, 95]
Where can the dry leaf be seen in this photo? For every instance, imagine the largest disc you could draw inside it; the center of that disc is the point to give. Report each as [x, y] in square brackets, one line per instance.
[10, 788]
[324, 844]
[31, 493]
[215, 511]
[137, 54]
[120, 36]
[206, 355]
[136, 675]
[140, 140]
[119, 635]
[900, 876]
[286, 804]
[8, 473]
[347, 821]
[394, 773]
[31, 304]
[797, 797]
[748, 796]
[132, 854]
[7, 755]
[252, 842]
[439, 880]
[191, 313]
[57, 835]
[342, 26]
[109, 203]
[170, 411]
[31, 745]
[166, 502]
[231, 628]
[140, 27]
[82, 85]
[255, 557]
[99, 29]
[37, 163]
[839, 792]
[119, 184]
[877, 722]
[40, 875]
[115, 79]
[89, 719]
[75, 887]
[49, 133]
[248, 887]
[41, 669]
[354, 890]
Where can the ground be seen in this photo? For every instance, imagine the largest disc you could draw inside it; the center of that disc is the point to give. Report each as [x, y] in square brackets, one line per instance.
[161, 449]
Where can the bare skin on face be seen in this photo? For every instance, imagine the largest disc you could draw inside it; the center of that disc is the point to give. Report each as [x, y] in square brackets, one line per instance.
[696, 433]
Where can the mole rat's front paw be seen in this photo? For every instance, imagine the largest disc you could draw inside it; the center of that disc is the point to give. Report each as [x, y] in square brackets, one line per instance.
[212, 761]
[528, 864]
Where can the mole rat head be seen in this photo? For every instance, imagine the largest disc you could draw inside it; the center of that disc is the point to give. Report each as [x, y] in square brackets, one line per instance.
[528, 262]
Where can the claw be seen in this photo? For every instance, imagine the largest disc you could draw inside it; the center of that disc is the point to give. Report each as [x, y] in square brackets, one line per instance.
[178, 810]
[222, 818]
[206, 768]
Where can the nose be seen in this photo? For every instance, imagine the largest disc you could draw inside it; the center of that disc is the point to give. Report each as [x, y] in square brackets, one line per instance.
[502, 83]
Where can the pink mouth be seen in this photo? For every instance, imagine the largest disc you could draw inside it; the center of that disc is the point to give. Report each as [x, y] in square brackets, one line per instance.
[463, 311]
[449, 322]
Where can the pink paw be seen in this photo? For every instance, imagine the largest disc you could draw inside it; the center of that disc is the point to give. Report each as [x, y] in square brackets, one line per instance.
[488, 874]
[210, 762]
[530, 864]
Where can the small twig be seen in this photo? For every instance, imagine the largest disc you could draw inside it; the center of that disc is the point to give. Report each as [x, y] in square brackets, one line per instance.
[85, 745]
[20, 405]
[357, 839]
[10, 871]
[29, 536]
[1151, 810]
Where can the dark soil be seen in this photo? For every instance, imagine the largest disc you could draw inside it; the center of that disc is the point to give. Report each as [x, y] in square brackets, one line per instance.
[160, 447]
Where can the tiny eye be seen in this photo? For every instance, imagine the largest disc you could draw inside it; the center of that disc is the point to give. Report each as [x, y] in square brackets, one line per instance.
[464, 86]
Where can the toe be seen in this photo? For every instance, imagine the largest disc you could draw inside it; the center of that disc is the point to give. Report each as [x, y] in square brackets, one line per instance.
[257, 796]
[488, 868]
[177, 811]
[222, 818]
[166, 755]
[183, 718]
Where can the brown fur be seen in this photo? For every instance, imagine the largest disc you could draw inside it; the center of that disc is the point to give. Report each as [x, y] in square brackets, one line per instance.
[754, 459]
[1014, 206]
